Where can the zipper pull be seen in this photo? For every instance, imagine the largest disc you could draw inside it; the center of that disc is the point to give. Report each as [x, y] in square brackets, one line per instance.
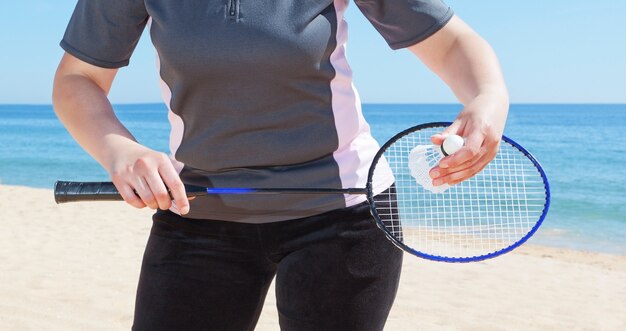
[233, 8]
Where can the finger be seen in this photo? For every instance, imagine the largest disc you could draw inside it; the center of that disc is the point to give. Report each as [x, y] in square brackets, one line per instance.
[176, 186]
[142, 189]
[437, 171]
[128, 194]
[159, 191]
[470, 152]
[438, 138]
[466, 173]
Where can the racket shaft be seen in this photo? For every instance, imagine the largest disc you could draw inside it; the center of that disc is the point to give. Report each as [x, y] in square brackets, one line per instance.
[105, 191]
[285, 191]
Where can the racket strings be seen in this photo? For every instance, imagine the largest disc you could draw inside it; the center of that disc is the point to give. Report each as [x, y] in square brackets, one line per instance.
[485, 214]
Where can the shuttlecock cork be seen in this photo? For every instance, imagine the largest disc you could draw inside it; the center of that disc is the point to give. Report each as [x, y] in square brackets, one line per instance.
[452, 144]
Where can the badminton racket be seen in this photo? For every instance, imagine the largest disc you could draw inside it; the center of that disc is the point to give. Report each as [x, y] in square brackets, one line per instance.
[485, 216]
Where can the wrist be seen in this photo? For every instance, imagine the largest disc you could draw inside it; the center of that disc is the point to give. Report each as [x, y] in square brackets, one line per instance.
[115, 149]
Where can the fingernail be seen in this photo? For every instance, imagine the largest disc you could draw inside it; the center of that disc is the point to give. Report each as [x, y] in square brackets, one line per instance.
[443, 165]
[184, 210]
[437, 182]
[434, 174]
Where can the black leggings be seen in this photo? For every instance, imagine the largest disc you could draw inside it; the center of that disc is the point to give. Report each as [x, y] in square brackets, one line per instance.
[334, 271]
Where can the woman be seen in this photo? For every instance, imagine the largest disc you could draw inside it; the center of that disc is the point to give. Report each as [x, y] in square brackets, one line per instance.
[260, 95]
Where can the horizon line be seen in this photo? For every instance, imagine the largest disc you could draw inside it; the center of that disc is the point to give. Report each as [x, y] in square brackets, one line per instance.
[364, 103]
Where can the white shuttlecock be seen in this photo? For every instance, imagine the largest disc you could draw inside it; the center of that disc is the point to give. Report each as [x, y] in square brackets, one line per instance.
[423, 158]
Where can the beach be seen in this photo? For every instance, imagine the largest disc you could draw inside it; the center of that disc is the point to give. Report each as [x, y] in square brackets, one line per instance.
[76, 266]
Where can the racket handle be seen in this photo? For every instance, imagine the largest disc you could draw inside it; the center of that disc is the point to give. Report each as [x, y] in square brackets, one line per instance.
[101, 191]
[85, 191]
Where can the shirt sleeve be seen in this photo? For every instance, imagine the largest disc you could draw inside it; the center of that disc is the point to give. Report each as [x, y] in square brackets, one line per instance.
[105, 32]
[403, 23]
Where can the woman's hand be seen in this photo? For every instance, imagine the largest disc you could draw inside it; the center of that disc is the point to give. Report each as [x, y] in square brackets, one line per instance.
[140, 174]
[481, 124]
[144, 176]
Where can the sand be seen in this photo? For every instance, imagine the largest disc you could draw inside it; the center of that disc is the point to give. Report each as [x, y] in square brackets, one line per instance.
[75, 267]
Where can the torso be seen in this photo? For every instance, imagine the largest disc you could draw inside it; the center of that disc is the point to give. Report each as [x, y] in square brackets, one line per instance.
[261, 95]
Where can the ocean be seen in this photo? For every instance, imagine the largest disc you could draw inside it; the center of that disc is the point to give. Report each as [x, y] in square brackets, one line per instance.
[582, 148]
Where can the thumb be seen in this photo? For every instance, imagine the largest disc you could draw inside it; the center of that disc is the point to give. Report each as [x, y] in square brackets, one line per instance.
[438, 138]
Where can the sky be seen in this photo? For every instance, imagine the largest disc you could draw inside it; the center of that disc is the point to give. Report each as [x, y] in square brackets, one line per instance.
[551, 51]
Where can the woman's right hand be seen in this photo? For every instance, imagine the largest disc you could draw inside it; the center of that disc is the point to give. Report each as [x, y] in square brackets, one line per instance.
[143, 177]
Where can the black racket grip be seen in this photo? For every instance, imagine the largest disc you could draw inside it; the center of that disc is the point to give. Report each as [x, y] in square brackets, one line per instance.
[85, 191]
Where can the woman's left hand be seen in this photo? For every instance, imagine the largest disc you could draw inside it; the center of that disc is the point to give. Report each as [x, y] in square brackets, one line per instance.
[481, 124]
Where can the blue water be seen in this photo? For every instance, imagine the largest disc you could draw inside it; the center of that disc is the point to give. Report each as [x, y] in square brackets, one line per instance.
[581, 147]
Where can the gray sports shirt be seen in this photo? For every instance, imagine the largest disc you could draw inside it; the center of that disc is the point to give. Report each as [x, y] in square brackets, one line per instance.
[259, 92]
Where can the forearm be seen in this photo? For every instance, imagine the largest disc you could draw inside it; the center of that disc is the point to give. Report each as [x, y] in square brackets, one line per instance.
[83, 107]
[465, 62]
[472, 70]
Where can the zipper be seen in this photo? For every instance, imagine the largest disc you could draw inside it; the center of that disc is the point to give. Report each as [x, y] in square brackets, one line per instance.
[232, 8]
